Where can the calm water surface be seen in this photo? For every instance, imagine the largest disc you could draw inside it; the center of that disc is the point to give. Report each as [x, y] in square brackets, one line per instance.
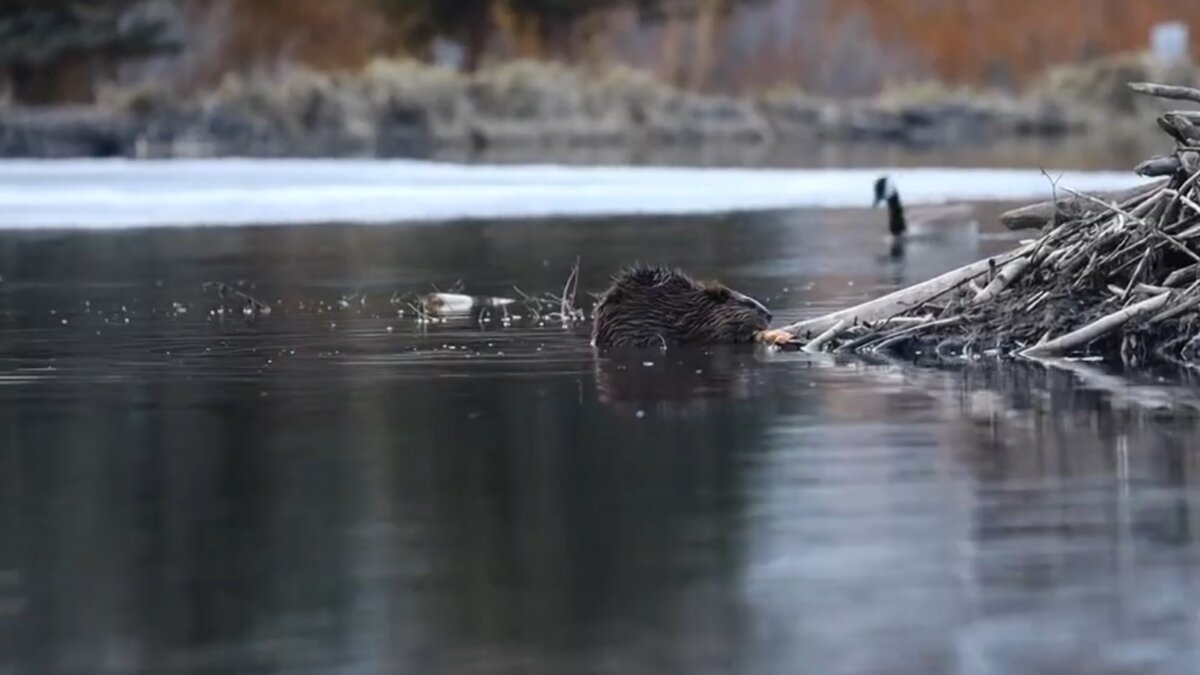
[330, 489]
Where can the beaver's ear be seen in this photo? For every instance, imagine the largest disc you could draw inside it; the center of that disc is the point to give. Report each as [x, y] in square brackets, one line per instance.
[717, 292]
[613, 296]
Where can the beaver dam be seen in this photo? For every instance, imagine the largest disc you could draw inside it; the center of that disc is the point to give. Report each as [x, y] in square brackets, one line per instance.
[1116, 277]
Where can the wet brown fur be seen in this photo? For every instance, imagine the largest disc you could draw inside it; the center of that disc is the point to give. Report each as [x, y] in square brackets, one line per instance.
[659, 307]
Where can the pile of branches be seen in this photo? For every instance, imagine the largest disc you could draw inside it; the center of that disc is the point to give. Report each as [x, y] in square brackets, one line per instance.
[1115, 276]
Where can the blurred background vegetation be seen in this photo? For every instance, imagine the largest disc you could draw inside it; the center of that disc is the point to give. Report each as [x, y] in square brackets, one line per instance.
[59, 50]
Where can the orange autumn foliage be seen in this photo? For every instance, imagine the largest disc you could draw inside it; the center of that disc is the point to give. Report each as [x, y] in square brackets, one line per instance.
[320, 33]
[814, 44]
[969, 41]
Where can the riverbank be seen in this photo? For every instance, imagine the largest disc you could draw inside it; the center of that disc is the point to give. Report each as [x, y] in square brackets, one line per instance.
[120, 193]
[405, 109]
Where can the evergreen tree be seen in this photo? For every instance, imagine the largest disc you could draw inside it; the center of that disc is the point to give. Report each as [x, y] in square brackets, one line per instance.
[54, 49]
[549, 24]
[420, 21]
[470, 21]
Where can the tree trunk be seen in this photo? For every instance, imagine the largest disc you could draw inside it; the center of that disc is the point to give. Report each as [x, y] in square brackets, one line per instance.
[670, 51]
[523, 31]
[60, 82]
[591, 32]
[706, 35]
[475, 38]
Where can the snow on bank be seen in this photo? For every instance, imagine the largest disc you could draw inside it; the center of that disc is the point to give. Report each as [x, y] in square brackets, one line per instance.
[121, 193]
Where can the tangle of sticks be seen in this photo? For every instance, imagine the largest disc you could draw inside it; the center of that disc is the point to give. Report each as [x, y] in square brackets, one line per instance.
[1116, 276]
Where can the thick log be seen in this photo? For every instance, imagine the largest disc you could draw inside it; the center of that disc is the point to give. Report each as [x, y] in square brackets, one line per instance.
[1011, 272]
[1036, 216]
[1167, 165]
[1192, 116]
[1098, 328]
[1180, 308]
[1166, 91]
[905, 298]
[1183, 275]
[1179, 127]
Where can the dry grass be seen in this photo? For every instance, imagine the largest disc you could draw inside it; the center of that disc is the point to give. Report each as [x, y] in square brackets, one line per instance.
[530, 103]
[298, 103]
[394, 87]
[1100, 84]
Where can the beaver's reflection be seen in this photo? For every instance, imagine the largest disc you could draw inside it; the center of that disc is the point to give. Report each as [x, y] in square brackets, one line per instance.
[678, 382]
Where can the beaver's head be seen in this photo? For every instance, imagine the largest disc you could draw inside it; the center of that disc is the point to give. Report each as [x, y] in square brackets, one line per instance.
[731, 316]
[655, 306]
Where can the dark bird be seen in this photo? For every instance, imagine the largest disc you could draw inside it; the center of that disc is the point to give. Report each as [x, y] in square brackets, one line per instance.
[927, 223]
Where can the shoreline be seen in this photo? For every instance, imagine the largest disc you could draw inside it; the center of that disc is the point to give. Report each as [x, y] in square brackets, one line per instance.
[408, 110]
[405, 109]
[116, 194]
[95, 132]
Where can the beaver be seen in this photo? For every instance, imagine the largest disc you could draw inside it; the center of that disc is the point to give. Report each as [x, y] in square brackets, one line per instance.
[653, 306]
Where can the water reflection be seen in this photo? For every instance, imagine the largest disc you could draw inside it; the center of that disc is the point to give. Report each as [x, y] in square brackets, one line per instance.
[313, 492]
[676, 383]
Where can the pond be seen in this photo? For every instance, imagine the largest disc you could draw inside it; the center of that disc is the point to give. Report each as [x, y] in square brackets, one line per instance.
[335, 488]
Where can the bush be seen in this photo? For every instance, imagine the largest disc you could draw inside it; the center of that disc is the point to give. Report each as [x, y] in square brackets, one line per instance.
[1101, 84]
[401, 91]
